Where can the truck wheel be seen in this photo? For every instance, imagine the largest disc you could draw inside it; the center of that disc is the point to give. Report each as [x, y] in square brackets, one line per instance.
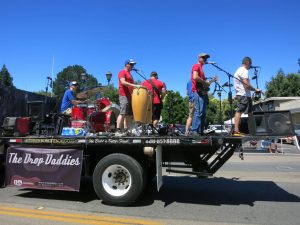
[118, 179]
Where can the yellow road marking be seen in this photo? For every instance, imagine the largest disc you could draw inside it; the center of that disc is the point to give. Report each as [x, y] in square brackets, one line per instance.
[68, 217]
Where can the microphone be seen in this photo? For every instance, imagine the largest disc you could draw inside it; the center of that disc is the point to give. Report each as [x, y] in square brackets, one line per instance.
[135, 69]
[225, 84]
[49, 78]
[254, 67]
[209, 62]
[254, 77]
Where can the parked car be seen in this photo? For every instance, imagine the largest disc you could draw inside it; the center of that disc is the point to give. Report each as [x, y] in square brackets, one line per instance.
[217, 129]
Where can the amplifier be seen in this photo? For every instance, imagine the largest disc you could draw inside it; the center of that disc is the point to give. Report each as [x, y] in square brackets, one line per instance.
[16, 126]
[272, 123]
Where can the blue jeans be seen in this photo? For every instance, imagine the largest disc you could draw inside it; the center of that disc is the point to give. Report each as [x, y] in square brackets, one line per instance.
[200, 112]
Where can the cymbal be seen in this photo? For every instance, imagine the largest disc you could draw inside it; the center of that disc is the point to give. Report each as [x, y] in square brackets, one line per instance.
[89, 93]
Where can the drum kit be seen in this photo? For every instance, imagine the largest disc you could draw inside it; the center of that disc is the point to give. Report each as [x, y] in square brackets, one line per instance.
[99, 116]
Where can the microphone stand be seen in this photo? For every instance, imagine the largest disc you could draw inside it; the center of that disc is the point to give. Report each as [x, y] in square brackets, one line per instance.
[230, 92]
[139, 72]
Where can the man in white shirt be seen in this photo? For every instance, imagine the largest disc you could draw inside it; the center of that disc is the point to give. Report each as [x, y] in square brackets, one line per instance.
[243, 93]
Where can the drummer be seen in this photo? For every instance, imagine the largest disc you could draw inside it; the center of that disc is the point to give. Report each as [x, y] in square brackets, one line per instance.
[158, 91]
[69, 99]
[126, 85]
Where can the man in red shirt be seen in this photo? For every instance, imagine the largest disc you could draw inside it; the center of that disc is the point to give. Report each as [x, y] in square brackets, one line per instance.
[200, 88]
[126, 85]
[158, 91]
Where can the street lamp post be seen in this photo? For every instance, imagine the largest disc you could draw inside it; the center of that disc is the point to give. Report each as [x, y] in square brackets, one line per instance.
[108, 77]
[83, 77]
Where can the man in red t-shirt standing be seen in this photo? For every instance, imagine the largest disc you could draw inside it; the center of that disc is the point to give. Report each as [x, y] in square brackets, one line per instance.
[158, 91]
[200, 88]
[126, 85]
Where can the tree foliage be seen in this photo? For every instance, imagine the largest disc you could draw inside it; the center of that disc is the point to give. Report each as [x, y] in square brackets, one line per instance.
[112, 93]
[69, 74]
[42, 92]
[5, 79]
[175, 108]
[283, 85]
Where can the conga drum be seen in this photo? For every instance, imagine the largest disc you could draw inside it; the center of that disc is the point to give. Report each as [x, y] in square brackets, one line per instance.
[140, 104]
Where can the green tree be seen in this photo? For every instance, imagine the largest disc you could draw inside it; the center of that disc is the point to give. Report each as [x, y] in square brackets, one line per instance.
[69, 74]
[212, 111]
[283, 85]
[48, 94]
[112, 93]
[5, 79]
[175, 108]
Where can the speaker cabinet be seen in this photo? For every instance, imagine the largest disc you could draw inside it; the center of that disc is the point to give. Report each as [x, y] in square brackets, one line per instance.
[36, 111]
[271, 123]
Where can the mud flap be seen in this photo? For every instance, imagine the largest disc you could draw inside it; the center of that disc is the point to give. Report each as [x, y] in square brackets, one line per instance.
[159, 179]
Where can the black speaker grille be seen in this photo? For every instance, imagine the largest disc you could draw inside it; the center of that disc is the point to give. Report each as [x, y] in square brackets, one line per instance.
[273, 123]
[36, 111]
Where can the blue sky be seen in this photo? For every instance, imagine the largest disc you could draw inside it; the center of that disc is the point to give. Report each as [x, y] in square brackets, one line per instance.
[161, 35]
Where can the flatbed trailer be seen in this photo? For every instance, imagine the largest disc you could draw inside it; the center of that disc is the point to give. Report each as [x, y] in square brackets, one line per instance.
[120, 167]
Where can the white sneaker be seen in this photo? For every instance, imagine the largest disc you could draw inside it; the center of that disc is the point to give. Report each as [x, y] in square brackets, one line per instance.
[119, 134]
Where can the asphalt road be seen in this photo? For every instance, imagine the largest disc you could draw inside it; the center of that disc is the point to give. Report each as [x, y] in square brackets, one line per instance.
[261, 189]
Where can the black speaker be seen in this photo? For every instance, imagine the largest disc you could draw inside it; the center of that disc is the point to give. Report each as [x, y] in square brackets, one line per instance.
[36, 111]
[271, 123]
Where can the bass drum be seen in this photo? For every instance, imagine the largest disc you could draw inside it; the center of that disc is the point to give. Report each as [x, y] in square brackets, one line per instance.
[102, 121]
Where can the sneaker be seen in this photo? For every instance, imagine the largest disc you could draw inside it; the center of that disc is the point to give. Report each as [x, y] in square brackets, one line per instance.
[238, 134]
[119, 133]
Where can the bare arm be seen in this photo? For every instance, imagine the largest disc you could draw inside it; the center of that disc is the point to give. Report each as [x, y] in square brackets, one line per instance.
[248, 86]
[76, 102]
[163, 92]
[127, 84]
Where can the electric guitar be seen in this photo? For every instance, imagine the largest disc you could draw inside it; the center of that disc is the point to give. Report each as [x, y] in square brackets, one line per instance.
[204, 89]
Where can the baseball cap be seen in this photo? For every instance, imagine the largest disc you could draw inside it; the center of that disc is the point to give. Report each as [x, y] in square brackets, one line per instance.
[129, 61]
[154, 73]
[203, 55]
[74, 83]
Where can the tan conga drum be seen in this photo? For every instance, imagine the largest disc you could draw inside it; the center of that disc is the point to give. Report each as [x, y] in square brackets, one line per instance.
[140, 104]
[149, 109]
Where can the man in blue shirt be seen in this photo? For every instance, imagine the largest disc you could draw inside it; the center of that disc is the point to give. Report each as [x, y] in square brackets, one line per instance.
[69, 99]
[189, 120]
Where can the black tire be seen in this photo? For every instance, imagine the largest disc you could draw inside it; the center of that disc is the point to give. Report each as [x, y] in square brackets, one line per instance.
[124, 167]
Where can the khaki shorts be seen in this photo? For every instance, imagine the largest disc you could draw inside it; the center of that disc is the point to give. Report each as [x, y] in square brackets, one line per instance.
[191, 109]
[125, 106]
[67, 112]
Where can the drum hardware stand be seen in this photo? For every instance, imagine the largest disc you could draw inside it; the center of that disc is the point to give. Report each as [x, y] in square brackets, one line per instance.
[219, 89]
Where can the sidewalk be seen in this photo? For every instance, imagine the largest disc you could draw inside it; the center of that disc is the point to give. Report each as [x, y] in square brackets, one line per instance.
[282, 149]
